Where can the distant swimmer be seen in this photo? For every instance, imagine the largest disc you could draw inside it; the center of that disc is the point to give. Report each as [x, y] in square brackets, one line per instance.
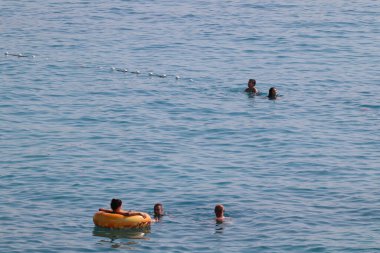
[273, 93]
[158, 211]
[251, 86]
[116, 208]
[219, 213]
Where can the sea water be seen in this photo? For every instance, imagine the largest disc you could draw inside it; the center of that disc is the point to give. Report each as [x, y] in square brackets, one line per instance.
[296, 174]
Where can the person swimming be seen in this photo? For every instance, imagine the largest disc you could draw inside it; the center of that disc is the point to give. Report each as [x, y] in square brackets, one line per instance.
[219, 213]
[116, 208]
[158, 211]
[273, 93]
[251, 86]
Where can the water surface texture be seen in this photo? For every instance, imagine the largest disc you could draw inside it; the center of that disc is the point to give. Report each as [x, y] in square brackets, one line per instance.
[298, 174]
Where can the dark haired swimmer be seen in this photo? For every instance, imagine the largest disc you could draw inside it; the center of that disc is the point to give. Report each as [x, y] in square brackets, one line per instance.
[251, 86]
[158, 211]
[273, 93]
[219, 213]
[116, 208]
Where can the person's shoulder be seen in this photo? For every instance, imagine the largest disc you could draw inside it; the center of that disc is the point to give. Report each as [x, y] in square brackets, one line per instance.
[220, 219]
[254, 90]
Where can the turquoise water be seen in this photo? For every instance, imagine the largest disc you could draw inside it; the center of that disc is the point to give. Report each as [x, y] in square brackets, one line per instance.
[298, 174]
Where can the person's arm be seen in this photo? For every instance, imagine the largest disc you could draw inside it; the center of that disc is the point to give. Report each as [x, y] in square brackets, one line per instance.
[130, 213]
[105, 210]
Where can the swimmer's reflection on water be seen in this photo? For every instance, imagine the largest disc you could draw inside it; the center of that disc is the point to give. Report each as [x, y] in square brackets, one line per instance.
[219, 227]
[114, 234]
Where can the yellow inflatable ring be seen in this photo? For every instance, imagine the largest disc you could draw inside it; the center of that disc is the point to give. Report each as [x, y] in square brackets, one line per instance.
[113, 220]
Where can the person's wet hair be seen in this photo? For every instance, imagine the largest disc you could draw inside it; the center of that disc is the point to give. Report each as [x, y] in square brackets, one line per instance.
[272, 93]
[115, 204]
[252, 81]
[158, 209]
[219, 209]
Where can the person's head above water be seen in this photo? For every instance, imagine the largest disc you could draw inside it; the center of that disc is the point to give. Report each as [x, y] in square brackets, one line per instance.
[251, 86]
[219, 212]
[116, 204]
[272, 94]
[158, 209]
[251, 83]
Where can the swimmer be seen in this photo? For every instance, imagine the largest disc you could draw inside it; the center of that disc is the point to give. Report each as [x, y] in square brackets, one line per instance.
[219, 213]
[273, 93]
[116, 208]
[251, 86]
[158, 211]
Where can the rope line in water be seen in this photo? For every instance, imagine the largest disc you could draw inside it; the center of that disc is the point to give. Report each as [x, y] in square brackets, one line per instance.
[19, 55]
[137, 72]
[123, 70]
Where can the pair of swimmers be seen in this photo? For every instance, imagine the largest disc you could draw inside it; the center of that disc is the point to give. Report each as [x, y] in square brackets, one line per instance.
[272, 94]
[116, 208]
[158, 210]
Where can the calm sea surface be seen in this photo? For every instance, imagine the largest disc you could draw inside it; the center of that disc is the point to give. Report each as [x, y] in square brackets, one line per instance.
[299, 174]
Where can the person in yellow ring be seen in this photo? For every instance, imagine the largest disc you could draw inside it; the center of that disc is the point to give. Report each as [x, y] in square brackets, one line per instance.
[116, 208]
